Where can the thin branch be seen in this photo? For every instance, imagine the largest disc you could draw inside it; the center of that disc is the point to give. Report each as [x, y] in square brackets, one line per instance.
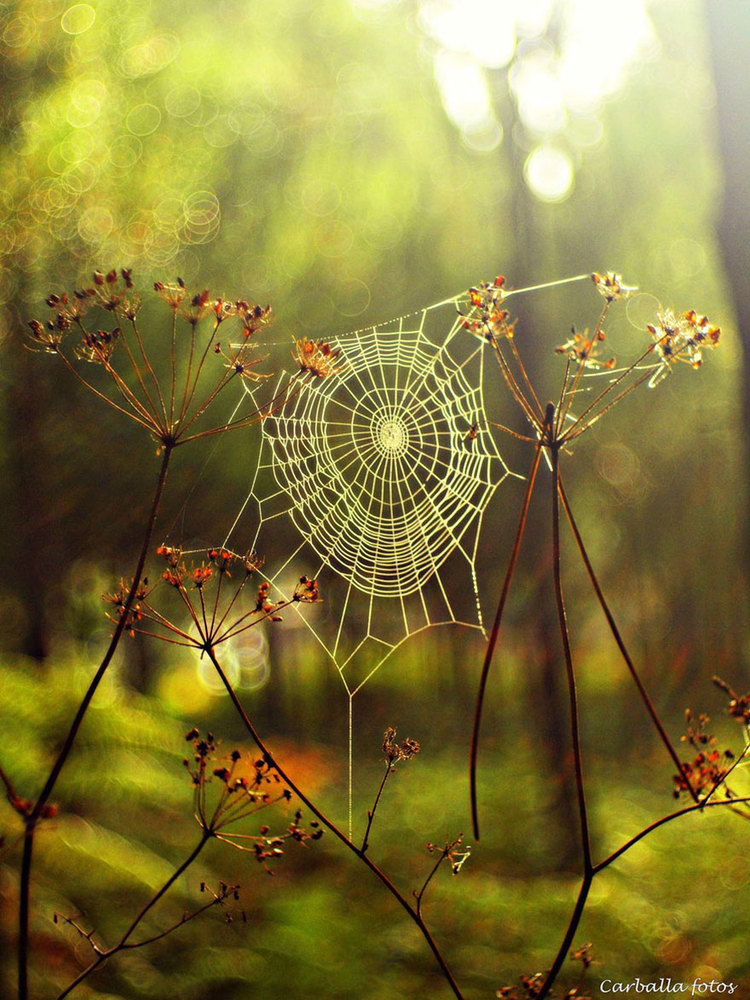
[104, 954]
[151, 404]
[525, 375]
[148, 424]
[418, 896]
[149, 368]
[695, 807]
[645, 697]
[371, 812]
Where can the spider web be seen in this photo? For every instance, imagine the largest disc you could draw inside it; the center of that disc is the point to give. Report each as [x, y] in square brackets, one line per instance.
[374, 481]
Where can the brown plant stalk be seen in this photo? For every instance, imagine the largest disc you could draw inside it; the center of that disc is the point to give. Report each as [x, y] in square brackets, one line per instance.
[62, 756]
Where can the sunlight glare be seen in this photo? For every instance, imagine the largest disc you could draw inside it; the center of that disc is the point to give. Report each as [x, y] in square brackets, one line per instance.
[535, 84]
[553, 85]
[464, 90]
[474, 27]
[594, 57]
[549, 173]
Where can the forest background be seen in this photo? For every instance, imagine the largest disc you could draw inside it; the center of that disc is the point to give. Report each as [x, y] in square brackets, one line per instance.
[349, 161]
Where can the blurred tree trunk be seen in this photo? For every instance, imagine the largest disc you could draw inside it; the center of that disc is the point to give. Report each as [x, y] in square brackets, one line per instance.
[27, 460]
[28, 507]
[729, 31]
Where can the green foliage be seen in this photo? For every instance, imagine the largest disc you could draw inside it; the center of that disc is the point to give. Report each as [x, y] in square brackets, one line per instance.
[321, 924]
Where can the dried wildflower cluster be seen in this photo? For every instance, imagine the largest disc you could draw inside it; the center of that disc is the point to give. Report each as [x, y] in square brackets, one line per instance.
[486, 317]
[102, 321]
[127, 603]
[223, 892]
[211, 591]
[193, 308]
[707, 771]
[317, 358]
[395, 752]
[245, 787]
[453, 852]
[226, 791]
[612, 287]
[672, 338]
[739, 705]
[584, 349]
[681, 338]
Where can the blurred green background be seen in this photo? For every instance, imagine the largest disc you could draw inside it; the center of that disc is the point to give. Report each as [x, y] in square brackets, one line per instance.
[349, 161]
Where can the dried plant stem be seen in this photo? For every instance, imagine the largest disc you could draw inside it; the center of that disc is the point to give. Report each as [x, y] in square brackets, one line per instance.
[588, 867]
[150, 402]
[147, 409]
[100, 395]
[595, 869]
[259, 414]
[571, 386]
[103, 954]
[591, 869]
[510, 379]
[575, 919]
[33, 817]
[648, 703]
[695, 807]
[413, 913]
[525, 375]
[582, 422]
[430, 875]
[371, 812]
[494, 636]
[570, 672]
[188, 399]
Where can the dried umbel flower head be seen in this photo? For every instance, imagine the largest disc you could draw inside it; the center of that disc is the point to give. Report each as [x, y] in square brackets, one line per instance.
[306, 591]
[235, 787]
[681, 337]
[739, 704]
[170, 404]
[241, 359]
[453, 852]
[611, 286]
[396, 752]
[128, 607]
[316, 358]
[214, 594]
[707, 771]
[674, 338]
[584, 349]
[486, 316]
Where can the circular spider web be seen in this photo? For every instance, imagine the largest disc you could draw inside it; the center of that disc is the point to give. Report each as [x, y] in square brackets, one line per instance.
[374, 480]
[377, 464]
